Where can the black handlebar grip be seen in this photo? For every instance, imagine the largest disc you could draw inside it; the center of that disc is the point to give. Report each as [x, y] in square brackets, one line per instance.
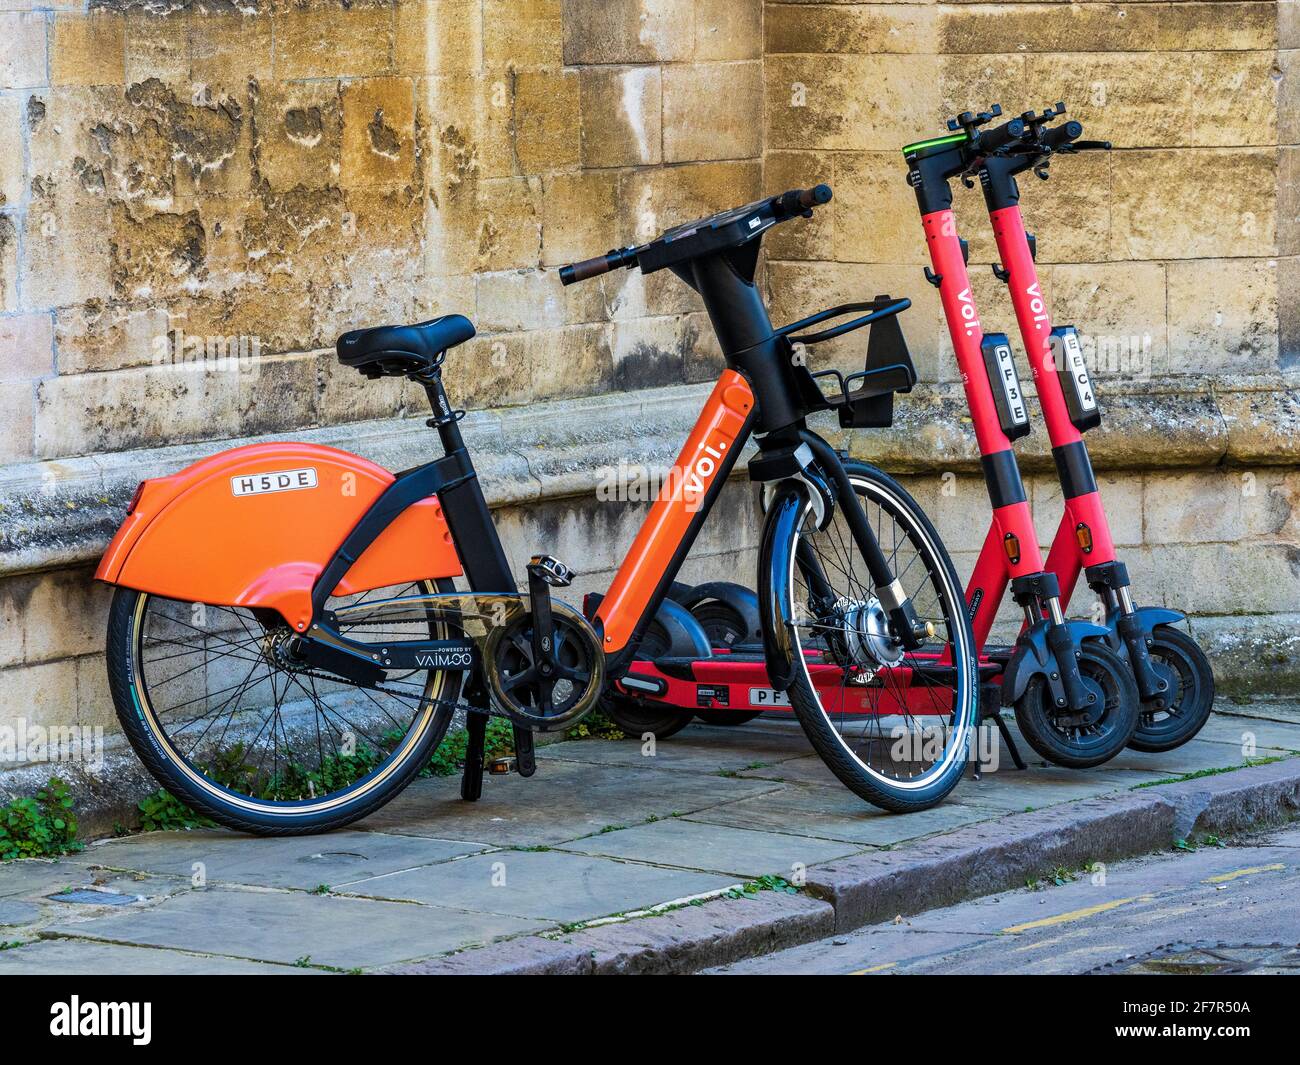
[815, 196]
[601, 264]
[1063, 134]
[990, 140]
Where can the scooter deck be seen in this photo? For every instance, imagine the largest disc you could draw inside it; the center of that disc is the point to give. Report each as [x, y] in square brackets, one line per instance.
[736, 679]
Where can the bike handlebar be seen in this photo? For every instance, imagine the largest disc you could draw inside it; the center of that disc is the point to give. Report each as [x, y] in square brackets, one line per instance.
[601, 264]
[786, 205]
[796, 201]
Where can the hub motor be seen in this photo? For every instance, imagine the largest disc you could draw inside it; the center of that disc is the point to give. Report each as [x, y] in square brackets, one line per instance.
[863, 637]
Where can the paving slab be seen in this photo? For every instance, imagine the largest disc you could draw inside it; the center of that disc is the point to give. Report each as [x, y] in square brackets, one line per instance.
[295, 862]
[17, 912]
[1233, 729]
[722, 849]
[1192, 757]
[67, 957]
[1016, 790]
[284, 926]
[822, 813]
[546, 885]
[807, 769]
[33, 877]
[698, 748]
[563, 801]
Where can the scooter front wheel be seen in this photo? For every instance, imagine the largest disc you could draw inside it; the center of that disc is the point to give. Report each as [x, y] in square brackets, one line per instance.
[1075, 740]
[1181, 711]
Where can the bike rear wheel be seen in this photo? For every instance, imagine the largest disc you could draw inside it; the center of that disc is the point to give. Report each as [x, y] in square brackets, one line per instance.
[212, 701]
[896, 737]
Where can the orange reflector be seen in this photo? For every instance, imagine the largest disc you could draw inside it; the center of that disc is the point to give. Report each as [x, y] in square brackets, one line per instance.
[1084, 535]
[1011, 544]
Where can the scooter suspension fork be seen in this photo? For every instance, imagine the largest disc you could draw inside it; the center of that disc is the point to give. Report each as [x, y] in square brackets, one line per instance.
[1040, 595]
[1110, 581]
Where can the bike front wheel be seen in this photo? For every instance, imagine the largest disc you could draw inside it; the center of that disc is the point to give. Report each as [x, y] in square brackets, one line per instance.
[894, 725]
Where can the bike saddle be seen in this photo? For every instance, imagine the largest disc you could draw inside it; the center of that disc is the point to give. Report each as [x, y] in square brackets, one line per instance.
[397, 350]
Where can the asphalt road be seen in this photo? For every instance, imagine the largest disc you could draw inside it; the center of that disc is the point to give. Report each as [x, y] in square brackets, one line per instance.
[1218, 909]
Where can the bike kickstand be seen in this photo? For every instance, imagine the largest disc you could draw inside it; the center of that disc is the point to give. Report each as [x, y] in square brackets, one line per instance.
[525, 762]
[1009, 740]
[471, 782]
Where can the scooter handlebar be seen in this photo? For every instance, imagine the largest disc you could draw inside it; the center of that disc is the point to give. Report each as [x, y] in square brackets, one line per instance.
[1059, 136]
[1003, 136]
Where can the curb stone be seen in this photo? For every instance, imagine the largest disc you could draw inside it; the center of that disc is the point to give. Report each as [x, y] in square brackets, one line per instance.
[849, 893]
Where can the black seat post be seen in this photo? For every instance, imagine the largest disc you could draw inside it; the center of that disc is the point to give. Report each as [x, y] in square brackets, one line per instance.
[445, 420]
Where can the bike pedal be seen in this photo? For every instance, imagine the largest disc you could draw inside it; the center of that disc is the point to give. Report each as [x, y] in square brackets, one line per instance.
[499, 767]
[551, 570]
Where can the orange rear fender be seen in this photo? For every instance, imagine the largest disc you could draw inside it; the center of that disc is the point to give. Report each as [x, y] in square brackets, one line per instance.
[256, 525]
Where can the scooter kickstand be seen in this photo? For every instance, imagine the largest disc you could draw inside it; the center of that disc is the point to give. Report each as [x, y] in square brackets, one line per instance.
[1010, 741]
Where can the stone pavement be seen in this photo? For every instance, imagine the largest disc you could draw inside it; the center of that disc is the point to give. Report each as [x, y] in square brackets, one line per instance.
[602, 833]
[1228, 909]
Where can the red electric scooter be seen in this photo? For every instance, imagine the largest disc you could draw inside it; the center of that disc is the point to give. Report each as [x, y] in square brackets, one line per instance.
[1173, 676]
[1074, 697]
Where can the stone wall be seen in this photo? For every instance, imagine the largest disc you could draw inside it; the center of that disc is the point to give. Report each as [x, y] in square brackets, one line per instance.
[197, 197]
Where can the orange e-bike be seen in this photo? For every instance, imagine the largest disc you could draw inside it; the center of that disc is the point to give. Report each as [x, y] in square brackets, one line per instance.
[287, 644]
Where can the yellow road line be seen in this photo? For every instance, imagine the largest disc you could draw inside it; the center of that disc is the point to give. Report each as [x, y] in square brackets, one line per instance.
[874, 968]
[1223, 878]
[1076, 915]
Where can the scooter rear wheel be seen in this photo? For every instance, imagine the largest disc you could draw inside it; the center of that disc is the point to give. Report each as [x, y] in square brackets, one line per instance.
[1182, 711]
[1076, 746]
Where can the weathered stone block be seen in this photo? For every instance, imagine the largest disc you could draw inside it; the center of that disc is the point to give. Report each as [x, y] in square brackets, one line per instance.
[874, 211]
[44, 695]
[650, 201]
[300, 133]
[16, 410]
[546, 120]
[1119, 310]
[1194, 508]
[8, 264]
[519, 299]
[1136, 28]
[1223, 314]
[378, 145]
[470, 128]
[1170, 99]
[652, 352]
[67, 255]
[622, 109]
[628, 31]
[13, 178]
[439, 36]
[1198, 203]
[88, 49]
[23, 62]
[523, 33]
[331, 42]
[712, 111]
[807, 238]
[728, 29]
[579, 217]
[228, 48]
[26, 347]
[867, 29]
[157, 46]
[1122, 494]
